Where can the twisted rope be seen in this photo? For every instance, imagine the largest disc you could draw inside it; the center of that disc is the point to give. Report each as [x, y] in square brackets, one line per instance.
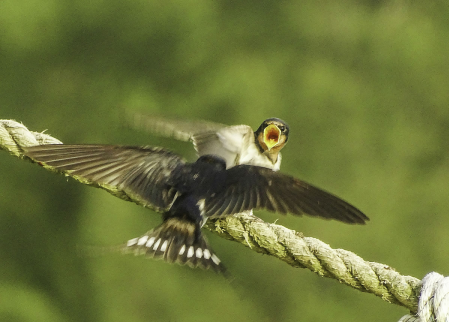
[14, 135]
[434, 300]
[293, 248]
[320, 258]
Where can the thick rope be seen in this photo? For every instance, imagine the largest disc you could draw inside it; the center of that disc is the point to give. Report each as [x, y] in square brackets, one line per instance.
[14, 135]
[434, 300]
[287, 245]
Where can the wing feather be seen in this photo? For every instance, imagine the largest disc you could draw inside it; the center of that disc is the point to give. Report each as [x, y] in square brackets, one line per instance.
[227, 142]
[179, 129]
[262, 188]
[141, 172]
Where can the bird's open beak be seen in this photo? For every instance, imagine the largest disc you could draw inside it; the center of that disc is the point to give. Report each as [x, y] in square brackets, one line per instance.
[271, 136]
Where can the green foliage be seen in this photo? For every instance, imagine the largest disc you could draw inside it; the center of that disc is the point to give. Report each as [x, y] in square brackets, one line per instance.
[363, 86]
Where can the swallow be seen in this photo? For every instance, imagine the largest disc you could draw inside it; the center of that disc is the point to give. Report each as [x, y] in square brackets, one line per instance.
[237, 144]
[187, 194]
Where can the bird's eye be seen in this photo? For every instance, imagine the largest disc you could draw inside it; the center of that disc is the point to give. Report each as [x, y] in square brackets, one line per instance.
[282, 128]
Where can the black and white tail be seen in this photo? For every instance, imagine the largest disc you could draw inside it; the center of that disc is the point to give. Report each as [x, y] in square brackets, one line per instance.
[177, 240]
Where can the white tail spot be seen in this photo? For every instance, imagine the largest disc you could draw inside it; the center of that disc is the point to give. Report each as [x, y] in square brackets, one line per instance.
[132, 242]
[215, 259]
[156, 244]
[200, 204]
[206, 253]
[190, 252]
[183, 249]
[150, 242]
[199, 253]
[142, 240]
[164, 246]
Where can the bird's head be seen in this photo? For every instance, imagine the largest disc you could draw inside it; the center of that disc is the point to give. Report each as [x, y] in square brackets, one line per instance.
[272, 135]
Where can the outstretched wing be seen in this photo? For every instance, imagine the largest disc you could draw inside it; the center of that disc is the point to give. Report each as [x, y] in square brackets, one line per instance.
[228, 142]
[225, 141]
[179, 129]
[142, 173]
[251, 187]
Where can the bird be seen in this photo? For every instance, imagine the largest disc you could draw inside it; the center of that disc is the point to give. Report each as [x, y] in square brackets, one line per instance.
[237, 144]
[188, 193]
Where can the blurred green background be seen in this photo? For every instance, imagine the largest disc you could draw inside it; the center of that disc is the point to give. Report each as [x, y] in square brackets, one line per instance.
[362, 84]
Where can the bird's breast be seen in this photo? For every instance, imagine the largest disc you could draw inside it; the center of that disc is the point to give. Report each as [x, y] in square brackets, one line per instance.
[252, 156]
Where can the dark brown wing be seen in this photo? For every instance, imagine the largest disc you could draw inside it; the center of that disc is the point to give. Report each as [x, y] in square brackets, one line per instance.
[141, 172]
[251, 187]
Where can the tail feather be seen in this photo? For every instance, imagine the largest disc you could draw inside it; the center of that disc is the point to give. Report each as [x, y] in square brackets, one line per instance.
[177, 241]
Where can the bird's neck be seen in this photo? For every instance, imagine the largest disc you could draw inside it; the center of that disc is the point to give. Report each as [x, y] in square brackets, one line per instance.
[272, 155]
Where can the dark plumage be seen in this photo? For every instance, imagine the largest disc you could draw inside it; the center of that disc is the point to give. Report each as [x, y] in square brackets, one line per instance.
[188, 193]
